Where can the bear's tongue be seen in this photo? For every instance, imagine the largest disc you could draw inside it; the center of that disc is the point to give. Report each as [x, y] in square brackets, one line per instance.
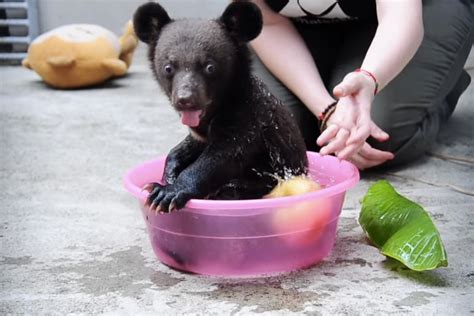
[190, 118]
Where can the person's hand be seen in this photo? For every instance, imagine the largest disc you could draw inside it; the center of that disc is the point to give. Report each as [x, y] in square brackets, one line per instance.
[350, 125]
[368, 157]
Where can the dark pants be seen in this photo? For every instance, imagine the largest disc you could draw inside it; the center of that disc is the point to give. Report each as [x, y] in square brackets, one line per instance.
[413, 106]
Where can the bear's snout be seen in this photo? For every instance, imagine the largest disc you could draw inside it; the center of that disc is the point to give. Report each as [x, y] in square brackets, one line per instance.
[185, 100]
[188, 94]
[188, 99]
[189, 106]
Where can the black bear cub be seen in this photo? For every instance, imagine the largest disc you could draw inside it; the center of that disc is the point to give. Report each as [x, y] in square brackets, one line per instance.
[241, 139]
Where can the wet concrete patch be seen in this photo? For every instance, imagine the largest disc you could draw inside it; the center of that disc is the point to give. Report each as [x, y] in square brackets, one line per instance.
[124, 272]
[356, 261]
[348, 225]
[164, 280]
[18, 261]
[439, 218]
[413, 299]
[267, 295]
[433, 278]
[329, 287]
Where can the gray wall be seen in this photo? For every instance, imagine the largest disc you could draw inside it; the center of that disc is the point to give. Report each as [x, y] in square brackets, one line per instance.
[113, 14]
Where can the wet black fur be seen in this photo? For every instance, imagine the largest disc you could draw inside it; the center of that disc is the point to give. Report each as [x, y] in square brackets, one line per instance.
[248, 139]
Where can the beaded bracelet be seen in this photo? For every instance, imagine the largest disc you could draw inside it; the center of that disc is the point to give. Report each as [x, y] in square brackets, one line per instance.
[326, 114]
[326, 110]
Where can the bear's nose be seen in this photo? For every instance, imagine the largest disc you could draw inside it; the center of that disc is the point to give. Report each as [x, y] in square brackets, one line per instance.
[184, 100]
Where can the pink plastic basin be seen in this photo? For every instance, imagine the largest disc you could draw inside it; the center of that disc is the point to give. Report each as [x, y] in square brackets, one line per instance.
[248, 237]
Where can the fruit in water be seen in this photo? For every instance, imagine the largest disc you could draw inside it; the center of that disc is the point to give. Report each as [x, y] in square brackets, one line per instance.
[294, 186]
[302, 223]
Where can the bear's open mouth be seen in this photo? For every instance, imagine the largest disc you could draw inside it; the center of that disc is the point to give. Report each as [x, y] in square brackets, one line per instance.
[190, 118]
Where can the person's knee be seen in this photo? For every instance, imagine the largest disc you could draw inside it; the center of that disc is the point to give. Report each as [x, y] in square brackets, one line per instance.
[456, 16]
[405, 150]
[410, 139]
[398, 138]
[398, 121]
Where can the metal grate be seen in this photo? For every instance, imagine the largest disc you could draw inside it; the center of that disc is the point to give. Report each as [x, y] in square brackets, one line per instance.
[18, 27]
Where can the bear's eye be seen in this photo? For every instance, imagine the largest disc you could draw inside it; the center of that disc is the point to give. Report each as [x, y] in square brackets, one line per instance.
[168, 69]
[210, 68]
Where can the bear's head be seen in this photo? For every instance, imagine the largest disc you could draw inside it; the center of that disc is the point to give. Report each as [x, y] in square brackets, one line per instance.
[199, 63]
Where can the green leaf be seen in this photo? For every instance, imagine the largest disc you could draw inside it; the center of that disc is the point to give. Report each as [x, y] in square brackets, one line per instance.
[401, 229]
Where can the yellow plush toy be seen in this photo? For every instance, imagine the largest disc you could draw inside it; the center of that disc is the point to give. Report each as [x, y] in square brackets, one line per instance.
[80, 55]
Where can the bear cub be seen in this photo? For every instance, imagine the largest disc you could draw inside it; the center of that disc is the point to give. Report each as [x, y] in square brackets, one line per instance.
[241, 139]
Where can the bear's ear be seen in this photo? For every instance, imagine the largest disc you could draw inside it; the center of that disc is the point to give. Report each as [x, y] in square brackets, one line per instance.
[243, 20]
[148, 21]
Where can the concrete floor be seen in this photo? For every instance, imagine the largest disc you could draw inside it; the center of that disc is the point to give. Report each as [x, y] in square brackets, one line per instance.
[73, 240]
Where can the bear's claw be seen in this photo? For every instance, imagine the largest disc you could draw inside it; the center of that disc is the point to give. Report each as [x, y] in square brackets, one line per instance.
[165, 199]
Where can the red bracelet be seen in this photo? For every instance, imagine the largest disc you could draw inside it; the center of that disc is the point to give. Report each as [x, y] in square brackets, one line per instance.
[371, 75]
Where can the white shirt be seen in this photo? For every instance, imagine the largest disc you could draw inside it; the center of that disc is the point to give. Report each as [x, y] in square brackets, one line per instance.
[323, 8]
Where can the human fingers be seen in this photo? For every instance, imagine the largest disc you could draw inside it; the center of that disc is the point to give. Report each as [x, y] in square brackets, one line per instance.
[344, 116]
[377, 133]
[362, 162]
[359, 134]
[349, 151]
[329, 133]
[337, 143]
[368, 152]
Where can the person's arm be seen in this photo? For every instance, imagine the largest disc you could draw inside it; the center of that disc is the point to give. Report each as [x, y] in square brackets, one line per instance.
[284, 53]
[398, 36]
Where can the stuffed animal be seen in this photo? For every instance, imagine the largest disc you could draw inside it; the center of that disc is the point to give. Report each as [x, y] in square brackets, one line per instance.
[80, 55]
